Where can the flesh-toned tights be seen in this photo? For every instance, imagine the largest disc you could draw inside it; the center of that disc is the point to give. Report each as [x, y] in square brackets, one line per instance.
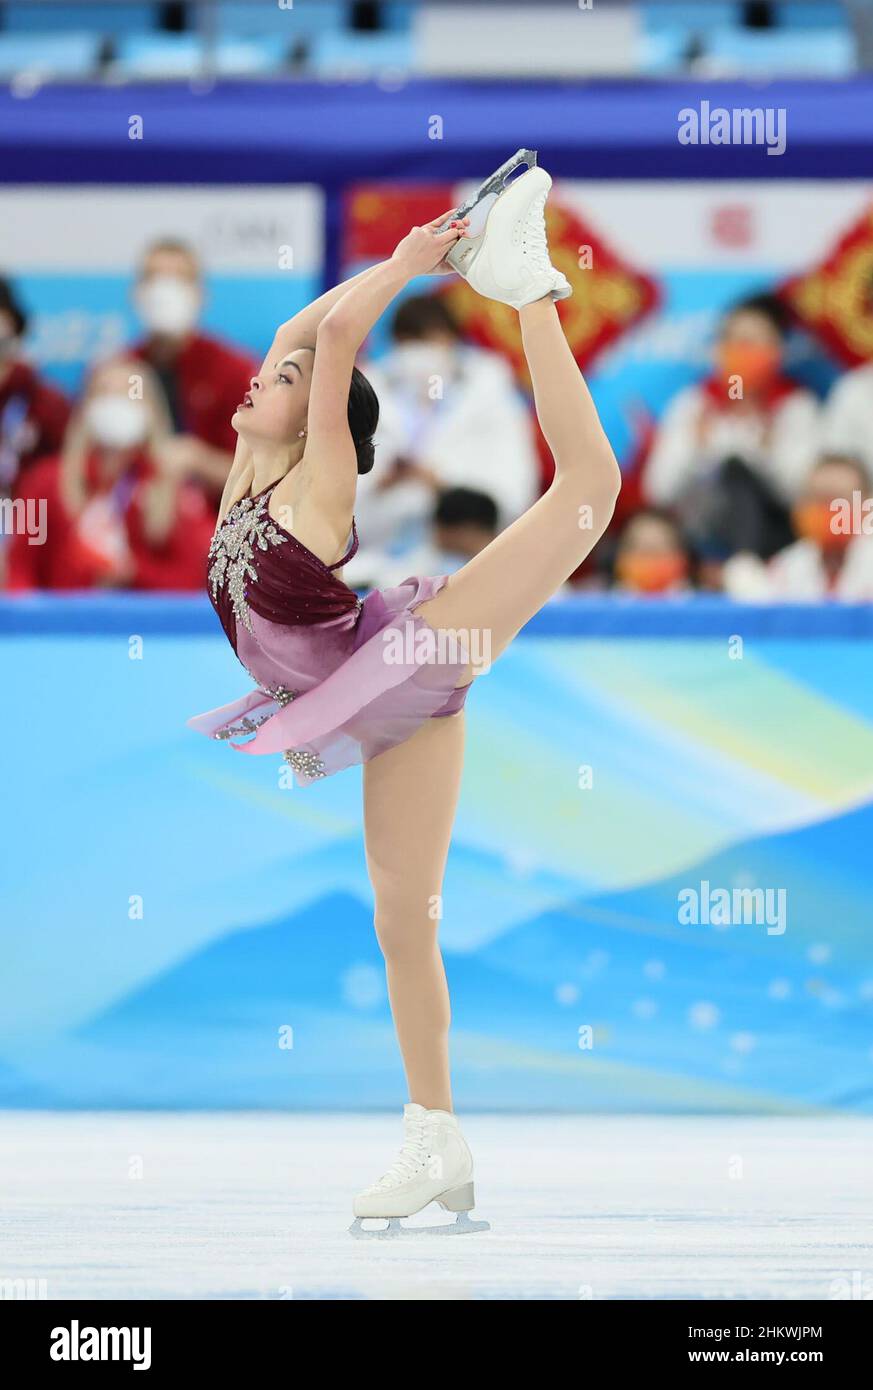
[411, 791]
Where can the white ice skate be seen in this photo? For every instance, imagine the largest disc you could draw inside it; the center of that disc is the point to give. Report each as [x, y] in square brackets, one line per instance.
[505, 254]
[434, 1165]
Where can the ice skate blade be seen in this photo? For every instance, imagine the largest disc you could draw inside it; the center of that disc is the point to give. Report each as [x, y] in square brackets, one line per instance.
[462, 1225]
[495, 183]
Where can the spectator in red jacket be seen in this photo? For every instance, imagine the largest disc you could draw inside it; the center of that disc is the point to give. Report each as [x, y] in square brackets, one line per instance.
[203, 378]
[33, 415]
[832, 557]
[732, 453]
[114, 510]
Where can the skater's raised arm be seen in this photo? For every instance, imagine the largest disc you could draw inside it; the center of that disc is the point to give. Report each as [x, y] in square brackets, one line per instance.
[300, 331]
[417, 253]
[351, 317]
[330, 459]
[296, 332]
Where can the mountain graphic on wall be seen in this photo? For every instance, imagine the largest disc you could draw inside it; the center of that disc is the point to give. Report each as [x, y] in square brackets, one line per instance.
[605, 1002]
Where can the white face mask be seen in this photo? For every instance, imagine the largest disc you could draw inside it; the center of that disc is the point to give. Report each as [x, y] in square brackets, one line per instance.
[414, 364]
[167, 304]
[116, 422]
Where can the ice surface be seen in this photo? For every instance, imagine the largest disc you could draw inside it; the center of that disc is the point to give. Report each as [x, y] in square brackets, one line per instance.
[257, 1206]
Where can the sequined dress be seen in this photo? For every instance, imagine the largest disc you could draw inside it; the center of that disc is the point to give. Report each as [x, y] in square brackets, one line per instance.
[338, 679]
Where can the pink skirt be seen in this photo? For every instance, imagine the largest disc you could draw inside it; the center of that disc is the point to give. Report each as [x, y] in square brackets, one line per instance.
[339, 693]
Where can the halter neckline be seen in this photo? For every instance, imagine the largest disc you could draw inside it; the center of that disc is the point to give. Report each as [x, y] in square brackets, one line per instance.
[337, 564]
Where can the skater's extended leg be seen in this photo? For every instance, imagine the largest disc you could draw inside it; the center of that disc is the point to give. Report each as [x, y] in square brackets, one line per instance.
[506, 583]
[410, 796]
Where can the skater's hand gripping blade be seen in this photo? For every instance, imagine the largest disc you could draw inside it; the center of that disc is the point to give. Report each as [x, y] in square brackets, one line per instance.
[462, 1225]
[493, 185]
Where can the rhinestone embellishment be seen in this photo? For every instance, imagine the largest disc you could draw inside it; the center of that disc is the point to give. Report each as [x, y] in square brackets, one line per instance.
[245, 726]
[309, 764]
[280, 693]
[248, 526]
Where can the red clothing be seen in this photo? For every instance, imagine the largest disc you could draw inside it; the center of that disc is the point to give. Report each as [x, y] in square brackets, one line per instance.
[33, 419]
[211, 380]
[66, 561]
[777, 391]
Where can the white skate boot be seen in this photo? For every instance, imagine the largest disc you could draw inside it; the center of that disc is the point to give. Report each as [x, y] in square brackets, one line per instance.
[434, 1165]
[508, 259]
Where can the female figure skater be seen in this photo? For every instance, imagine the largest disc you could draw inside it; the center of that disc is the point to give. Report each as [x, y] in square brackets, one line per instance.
[383, 681]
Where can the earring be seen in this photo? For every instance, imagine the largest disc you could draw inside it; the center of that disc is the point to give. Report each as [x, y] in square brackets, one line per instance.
[300, 434]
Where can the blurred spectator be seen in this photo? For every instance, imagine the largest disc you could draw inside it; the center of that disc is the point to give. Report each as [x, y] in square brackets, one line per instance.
[847, 426]
[203, 379]
[450, 416]
[833, 557]
[732, 453]
[115, 512]
[33, 415]
[652, 556]
[462, 524]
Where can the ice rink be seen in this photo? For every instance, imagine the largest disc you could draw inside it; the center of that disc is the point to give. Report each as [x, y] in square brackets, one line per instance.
[257, 1206]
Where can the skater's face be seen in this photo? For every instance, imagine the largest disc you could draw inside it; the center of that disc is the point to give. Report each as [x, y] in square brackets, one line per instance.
[274, 409]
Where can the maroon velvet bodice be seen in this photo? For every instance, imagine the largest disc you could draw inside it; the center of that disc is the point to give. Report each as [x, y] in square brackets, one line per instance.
[255, 566]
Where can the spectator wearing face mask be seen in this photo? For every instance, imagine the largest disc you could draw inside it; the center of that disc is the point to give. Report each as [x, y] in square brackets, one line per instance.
[203, 378]
[463, 523]
[832, 557]
[33, 414]
[732, 453]
[112, 510]
[652, 556]
[450, 416]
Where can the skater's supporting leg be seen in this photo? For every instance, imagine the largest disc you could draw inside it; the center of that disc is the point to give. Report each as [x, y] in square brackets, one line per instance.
[410, 796]
[510, 580]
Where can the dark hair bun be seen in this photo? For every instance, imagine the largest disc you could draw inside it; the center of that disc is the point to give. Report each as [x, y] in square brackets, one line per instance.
[363, 418]
[366, 452]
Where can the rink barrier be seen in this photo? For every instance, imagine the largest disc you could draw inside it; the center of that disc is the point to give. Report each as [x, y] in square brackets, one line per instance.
[95, 615]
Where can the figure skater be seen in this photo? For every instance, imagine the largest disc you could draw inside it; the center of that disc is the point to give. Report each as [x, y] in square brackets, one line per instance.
[383, 681]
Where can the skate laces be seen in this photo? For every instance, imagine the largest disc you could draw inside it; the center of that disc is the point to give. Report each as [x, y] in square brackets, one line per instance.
[412, 1156]
[535, 232]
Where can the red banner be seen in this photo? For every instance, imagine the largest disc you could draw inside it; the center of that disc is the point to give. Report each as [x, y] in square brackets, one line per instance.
[834, 300]
[609, 295]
